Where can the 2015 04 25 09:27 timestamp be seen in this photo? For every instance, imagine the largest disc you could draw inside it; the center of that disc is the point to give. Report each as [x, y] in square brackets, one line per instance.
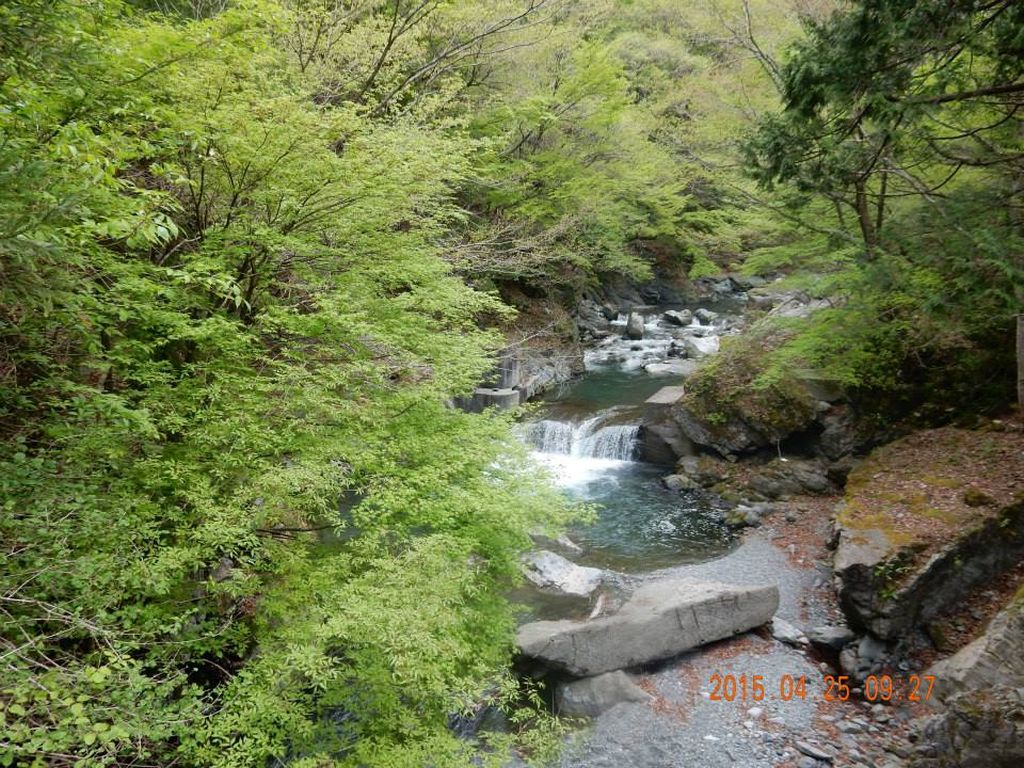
[730, 687]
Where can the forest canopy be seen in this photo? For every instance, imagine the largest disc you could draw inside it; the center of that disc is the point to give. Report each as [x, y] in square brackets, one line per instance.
[250, 251]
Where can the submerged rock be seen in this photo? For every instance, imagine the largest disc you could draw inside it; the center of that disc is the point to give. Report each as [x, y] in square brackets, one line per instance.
[684, 368]
[591, 696]
[679, 483]
[661, 620]
[553, 573]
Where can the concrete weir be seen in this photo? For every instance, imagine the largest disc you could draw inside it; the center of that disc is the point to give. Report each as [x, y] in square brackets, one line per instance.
[663, 440]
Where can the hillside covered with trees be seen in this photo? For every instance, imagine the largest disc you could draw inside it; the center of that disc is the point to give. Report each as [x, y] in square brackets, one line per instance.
[250, 252]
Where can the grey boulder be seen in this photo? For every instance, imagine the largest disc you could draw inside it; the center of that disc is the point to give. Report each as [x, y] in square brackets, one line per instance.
[551, 572]
[635, 326]
[787, 633]
[681, 317]
[834, 637]
[661, 620]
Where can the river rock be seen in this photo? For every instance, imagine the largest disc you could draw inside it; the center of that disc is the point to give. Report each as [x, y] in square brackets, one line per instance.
[591, 696]
[634, 326]
[679, 483]
[787, 633]
[834, 637]
[799, 307]
[732, 436]
[661, 620]
[706, 316]
[746, 515]
[778, 479]
[553, 573]
[683, 368]
[697, 347]
[592, 319]
[681, 317]
[489, 397]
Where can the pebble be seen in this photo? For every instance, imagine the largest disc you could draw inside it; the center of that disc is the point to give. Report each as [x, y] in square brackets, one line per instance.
[807, 762]
[755, 712]
[850, 727]
[812, 751]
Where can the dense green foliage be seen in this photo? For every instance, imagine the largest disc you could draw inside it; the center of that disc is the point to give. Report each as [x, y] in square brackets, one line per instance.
[905, 119]
[225, 310]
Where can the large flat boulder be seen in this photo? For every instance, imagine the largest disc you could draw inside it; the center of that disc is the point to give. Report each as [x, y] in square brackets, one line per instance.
[661, 620]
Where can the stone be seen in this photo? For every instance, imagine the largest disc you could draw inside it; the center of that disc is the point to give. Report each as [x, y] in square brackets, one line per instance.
[679, 483]
[787, 633]
[980, 729]
[866, 559]
[789, 478]
[591, 318]
[697, 347]
[993, 659]
[551, 572]
[681, 317]
[635, 326]
[848, 661]
[870, 650]
[489, 397]
[662, 619]
[591, 696]
[976, 498]
[684, 368]
[662, 441]
[812, 751]
[834, 637]
[746, 515]
[562, 542]
[666, 396]
[733, 436]
[840, 434]
[797, 308]
[706, 316]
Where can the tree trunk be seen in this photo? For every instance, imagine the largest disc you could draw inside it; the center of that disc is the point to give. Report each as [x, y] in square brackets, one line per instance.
[1020, 362]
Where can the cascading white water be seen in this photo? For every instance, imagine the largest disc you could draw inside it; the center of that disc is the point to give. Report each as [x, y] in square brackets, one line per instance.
[587, 439]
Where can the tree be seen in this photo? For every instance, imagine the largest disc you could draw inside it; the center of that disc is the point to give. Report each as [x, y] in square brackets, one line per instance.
[892, 104]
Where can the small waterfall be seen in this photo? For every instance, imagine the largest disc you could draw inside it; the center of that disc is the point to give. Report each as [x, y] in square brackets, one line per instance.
[615, 442]
[550, 436]
[588, 439]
